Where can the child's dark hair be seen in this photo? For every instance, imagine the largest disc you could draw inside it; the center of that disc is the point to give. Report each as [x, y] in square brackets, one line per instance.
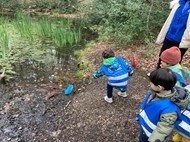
[163, 77]
[108, 53]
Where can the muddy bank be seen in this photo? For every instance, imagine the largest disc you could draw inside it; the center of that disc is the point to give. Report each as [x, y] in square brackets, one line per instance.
[82, 116]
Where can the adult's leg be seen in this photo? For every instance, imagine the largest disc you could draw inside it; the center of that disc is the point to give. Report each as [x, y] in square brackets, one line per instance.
[109, 91]
[166, 44]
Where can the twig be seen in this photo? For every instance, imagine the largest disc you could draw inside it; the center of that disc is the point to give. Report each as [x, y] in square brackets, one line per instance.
[67, 104]
[51, 94]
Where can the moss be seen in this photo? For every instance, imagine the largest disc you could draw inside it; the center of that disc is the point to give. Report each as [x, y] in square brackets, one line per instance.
[84, 65]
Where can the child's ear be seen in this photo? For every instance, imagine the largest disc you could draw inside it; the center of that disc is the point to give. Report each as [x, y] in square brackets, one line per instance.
[161, 88]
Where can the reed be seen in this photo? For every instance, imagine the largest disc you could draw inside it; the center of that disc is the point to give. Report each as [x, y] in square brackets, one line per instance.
[4, 44]
[59, 32]
[18, 23]
[63, 36]
[27, 25]
[77, 35]
[6, 60]
[59, 37]
[23, 23]
[3, 21]
[65, 23]
[45, 27]
[69, 37]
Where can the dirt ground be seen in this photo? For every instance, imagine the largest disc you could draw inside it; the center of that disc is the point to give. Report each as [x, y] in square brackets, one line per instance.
[26, 116]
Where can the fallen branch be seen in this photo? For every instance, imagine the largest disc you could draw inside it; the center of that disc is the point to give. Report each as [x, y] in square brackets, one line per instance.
[67, 104]
[51, 94]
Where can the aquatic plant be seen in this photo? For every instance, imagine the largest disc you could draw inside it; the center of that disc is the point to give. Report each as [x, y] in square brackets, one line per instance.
[65, 22]
[70, 37]
[65, 32]
[4, 44]
[63, 36]
[59, 37]
[61, 32]
[3, 21]
[23, 23]
[5, 60]
[45, 27]
[77, 35]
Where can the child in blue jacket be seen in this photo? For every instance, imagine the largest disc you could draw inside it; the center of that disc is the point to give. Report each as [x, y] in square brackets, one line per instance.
[170, 58]
[158, 113]
[182, 126]
[117, 70]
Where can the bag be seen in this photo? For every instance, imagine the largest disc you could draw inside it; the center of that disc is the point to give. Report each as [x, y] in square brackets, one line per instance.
[133, 62]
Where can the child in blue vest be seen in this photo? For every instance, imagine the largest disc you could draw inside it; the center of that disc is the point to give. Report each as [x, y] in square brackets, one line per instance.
[170, 58]
[117, 70]
[182, 126]
[158, 113]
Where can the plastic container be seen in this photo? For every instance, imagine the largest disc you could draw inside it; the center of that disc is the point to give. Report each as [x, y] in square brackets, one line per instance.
[69, 89]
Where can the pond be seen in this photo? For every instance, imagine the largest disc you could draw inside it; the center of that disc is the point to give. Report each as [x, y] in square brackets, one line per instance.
[41, 49]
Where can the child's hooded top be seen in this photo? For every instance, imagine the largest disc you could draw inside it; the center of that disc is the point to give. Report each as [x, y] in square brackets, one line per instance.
[183, 122]
[177, 69]
[117, 70]
[158, 115]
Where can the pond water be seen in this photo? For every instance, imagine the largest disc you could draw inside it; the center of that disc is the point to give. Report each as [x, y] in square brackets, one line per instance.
[39, 60]
[58, 66]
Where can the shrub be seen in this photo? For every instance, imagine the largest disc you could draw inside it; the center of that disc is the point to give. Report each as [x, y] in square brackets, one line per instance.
[67, 6]
[10, 4]
[126, 21]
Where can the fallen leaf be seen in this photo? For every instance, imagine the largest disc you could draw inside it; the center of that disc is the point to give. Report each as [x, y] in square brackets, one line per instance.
[8, 105]
[28, 97]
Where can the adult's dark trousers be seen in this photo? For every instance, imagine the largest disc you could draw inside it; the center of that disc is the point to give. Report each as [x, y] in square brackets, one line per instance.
[166, 45]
